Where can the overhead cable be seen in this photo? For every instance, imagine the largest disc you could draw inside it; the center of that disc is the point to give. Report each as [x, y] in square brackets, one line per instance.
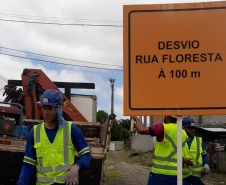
[3, 78]
[56, 18]
[60, 63]
[59, 57]
[61, 24]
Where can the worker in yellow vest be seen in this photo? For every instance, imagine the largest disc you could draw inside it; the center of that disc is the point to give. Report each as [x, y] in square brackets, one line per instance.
[164, 163]
[195, 156]
[50, 147]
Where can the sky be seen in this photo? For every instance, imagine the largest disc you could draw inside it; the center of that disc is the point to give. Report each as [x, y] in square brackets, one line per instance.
[88, 33]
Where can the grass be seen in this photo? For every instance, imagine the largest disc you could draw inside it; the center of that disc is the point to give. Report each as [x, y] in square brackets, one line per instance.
[110, 173]
[130, 156]
[138, 157]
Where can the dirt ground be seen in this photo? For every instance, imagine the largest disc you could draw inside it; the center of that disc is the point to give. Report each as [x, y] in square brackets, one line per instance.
[216, 178]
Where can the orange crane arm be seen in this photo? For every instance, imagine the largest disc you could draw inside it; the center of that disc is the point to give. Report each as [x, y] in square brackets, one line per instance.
[35, 82]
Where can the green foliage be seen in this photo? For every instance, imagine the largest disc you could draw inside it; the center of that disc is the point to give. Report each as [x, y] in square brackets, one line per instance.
[125, 134]
[138, 157]
[125, 123]
[102, 116]
[120, 130]
[116, 131]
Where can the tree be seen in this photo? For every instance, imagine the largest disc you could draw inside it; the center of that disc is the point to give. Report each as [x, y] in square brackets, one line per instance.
[125, 123]
[102, 116]
[125, 134]
[120, 130]
[116, 131]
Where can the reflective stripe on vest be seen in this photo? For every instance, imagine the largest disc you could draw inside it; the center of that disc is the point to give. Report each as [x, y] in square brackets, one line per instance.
[196, 169]
[192, 173]
[164, 167]
[50, 179]
[169, 158]
[45, 179]
[198, 150]
[60, 168]
[195, 166]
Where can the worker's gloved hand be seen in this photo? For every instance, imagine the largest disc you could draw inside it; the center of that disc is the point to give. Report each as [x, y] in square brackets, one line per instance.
[188, 161]
[206, 169]
[72, 176]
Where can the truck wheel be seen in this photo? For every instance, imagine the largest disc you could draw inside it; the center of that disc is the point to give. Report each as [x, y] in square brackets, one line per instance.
[7, 127]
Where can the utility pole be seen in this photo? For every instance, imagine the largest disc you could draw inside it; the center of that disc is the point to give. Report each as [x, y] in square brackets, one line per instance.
[112, 81]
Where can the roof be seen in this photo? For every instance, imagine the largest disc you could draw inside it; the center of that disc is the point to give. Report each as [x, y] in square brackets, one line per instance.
[214, 129]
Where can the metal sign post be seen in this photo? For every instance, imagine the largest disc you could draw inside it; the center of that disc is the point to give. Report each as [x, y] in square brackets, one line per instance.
[179, 150]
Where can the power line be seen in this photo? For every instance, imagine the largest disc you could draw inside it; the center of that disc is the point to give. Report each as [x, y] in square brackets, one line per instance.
[56, 18]
[58, 62]
[59, 57]
[3, 78]
[61, 24]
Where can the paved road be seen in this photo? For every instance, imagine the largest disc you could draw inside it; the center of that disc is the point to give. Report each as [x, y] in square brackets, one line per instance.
[133, 174]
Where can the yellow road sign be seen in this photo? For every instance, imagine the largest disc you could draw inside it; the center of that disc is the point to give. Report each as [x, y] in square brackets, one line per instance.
[175, 59]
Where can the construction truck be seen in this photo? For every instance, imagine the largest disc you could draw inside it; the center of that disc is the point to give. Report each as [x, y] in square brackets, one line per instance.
[19, 112]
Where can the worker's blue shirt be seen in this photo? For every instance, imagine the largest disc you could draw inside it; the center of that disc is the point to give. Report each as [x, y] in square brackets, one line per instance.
[204, 157]
[77, 140]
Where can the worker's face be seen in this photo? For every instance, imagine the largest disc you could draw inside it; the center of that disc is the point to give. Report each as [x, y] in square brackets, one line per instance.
[49, 113]
[190, 131]
[166, 119]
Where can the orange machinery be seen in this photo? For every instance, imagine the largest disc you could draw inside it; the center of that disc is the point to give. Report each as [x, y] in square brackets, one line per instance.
[34, 82]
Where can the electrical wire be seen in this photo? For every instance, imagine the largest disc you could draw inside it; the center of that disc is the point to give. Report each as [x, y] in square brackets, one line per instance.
[60, 63]
[59, 57]
[61, 24]
[57, 18]
[3, 78]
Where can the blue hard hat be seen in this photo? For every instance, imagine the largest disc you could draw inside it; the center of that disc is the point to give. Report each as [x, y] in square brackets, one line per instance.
[51, 97]
[188, 122]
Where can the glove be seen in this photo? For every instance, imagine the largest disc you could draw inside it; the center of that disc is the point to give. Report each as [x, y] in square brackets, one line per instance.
[72, 176]
[206, 169]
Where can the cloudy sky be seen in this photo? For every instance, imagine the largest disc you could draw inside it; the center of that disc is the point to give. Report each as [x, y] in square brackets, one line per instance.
[88, 33]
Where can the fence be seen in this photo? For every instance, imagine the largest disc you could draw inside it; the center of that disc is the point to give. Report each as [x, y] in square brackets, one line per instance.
[217, 160]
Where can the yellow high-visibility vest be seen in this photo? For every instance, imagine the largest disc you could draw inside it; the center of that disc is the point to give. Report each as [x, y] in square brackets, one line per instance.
[165, 155]
[195, 153]
[54, 160]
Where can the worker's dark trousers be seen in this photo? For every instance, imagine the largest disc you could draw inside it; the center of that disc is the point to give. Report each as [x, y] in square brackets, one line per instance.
[192, 180]
[159, 179]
